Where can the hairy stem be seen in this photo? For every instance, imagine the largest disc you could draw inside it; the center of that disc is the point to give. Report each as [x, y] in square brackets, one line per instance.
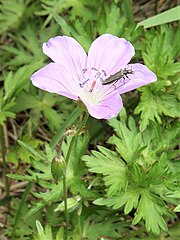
[64, 176]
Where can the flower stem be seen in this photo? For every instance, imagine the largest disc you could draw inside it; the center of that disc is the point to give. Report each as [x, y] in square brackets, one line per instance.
[64, 176]
[71, 119]
[65, 206]
[4, 164]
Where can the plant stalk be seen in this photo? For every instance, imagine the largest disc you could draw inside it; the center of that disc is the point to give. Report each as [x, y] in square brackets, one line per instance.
[71, 119]
[4, 164]
[65, 207]
[64, 176]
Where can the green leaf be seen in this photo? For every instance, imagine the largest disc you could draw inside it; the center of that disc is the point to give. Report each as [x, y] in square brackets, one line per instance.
[12, 13]
[113, 18]
[54, 118]
[160, 56]
[129, 198]
[158, 105]
[151, 208]
[76, 8]
[15, 82]
[177, 209]
[94, 223]
[44, 233]
[25, 101]
[109, 164]
[70, 120]
[31, 150]
[77, 31]
[26, 46]
[40, 228]
[72, 204]
[75, 165]
[129, 142]
[21, 177]
[20, 208]
[24, 151]
[5, 108]
[161, 18]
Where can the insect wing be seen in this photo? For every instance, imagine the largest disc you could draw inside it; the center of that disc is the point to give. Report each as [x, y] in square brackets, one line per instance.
[113, 78]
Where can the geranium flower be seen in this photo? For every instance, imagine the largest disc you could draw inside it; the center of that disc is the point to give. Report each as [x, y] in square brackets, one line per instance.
[79, 76]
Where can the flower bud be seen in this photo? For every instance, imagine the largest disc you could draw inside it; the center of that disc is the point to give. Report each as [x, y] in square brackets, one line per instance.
[58, 168]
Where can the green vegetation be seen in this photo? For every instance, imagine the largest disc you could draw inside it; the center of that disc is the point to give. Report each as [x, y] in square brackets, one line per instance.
[122, 175]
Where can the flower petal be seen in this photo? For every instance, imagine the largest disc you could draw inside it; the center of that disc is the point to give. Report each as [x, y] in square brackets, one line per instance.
[141, 76]
[106, 109]
[68, 52]
[109, 53]
[55, 79]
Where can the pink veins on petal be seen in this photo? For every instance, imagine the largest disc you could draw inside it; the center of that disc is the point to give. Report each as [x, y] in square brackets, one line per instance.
[76, 75]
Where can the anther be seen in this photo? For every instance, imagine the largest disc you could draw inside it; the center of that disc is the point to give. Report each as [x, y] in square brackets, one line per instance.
[104, 73]
[94, 69]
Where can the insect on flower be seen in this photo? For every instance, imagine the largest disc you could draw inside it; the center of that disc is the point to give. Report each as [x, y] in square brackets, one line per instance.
[98, 78]
[117, 76]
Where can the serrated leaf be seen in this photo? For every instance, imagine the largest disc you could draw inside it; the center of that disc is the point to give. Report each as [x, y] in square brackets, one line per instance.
[113, 18]
[15, 82]
[111, 166]
[159, 55]
[129, 198]
[72, 204]
[11, 14]
[20, 177]
[129, 142]
[32, 151]
[44, 233]
[5, 109]
[151, 208]
[158, 105]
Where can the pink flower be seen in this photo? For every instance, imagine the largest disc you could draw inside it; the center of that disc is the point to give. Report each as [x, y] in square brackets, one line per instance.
[77, 76]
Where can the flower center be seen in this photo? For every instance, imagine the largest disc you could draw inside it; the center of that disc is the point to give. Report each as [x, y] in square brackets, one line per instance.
[96, 85]
[91, 85]
[91, 78]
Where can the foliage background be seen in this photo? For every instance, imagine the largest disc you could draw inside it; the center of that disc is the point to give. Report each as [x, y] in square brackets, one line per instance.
[123, 175]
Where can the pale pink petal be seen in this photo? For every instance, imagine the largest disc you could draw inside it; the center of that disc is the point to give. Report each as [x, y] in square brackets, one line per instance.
[109, 53]
[55, 79]
[68, 52]
[141, 76]
[107, 108]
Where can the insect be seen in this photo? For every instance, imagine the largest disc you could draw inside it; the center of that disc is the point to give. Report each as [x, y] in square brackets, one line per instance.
[117, 76]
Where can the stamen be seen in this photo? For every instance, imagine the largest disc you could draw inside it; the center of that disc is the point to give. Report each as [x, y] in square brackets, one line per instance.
[98, 74]
[104, 73]
[84, 70]
[92, 86]
[94, 69]
[82, 84]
